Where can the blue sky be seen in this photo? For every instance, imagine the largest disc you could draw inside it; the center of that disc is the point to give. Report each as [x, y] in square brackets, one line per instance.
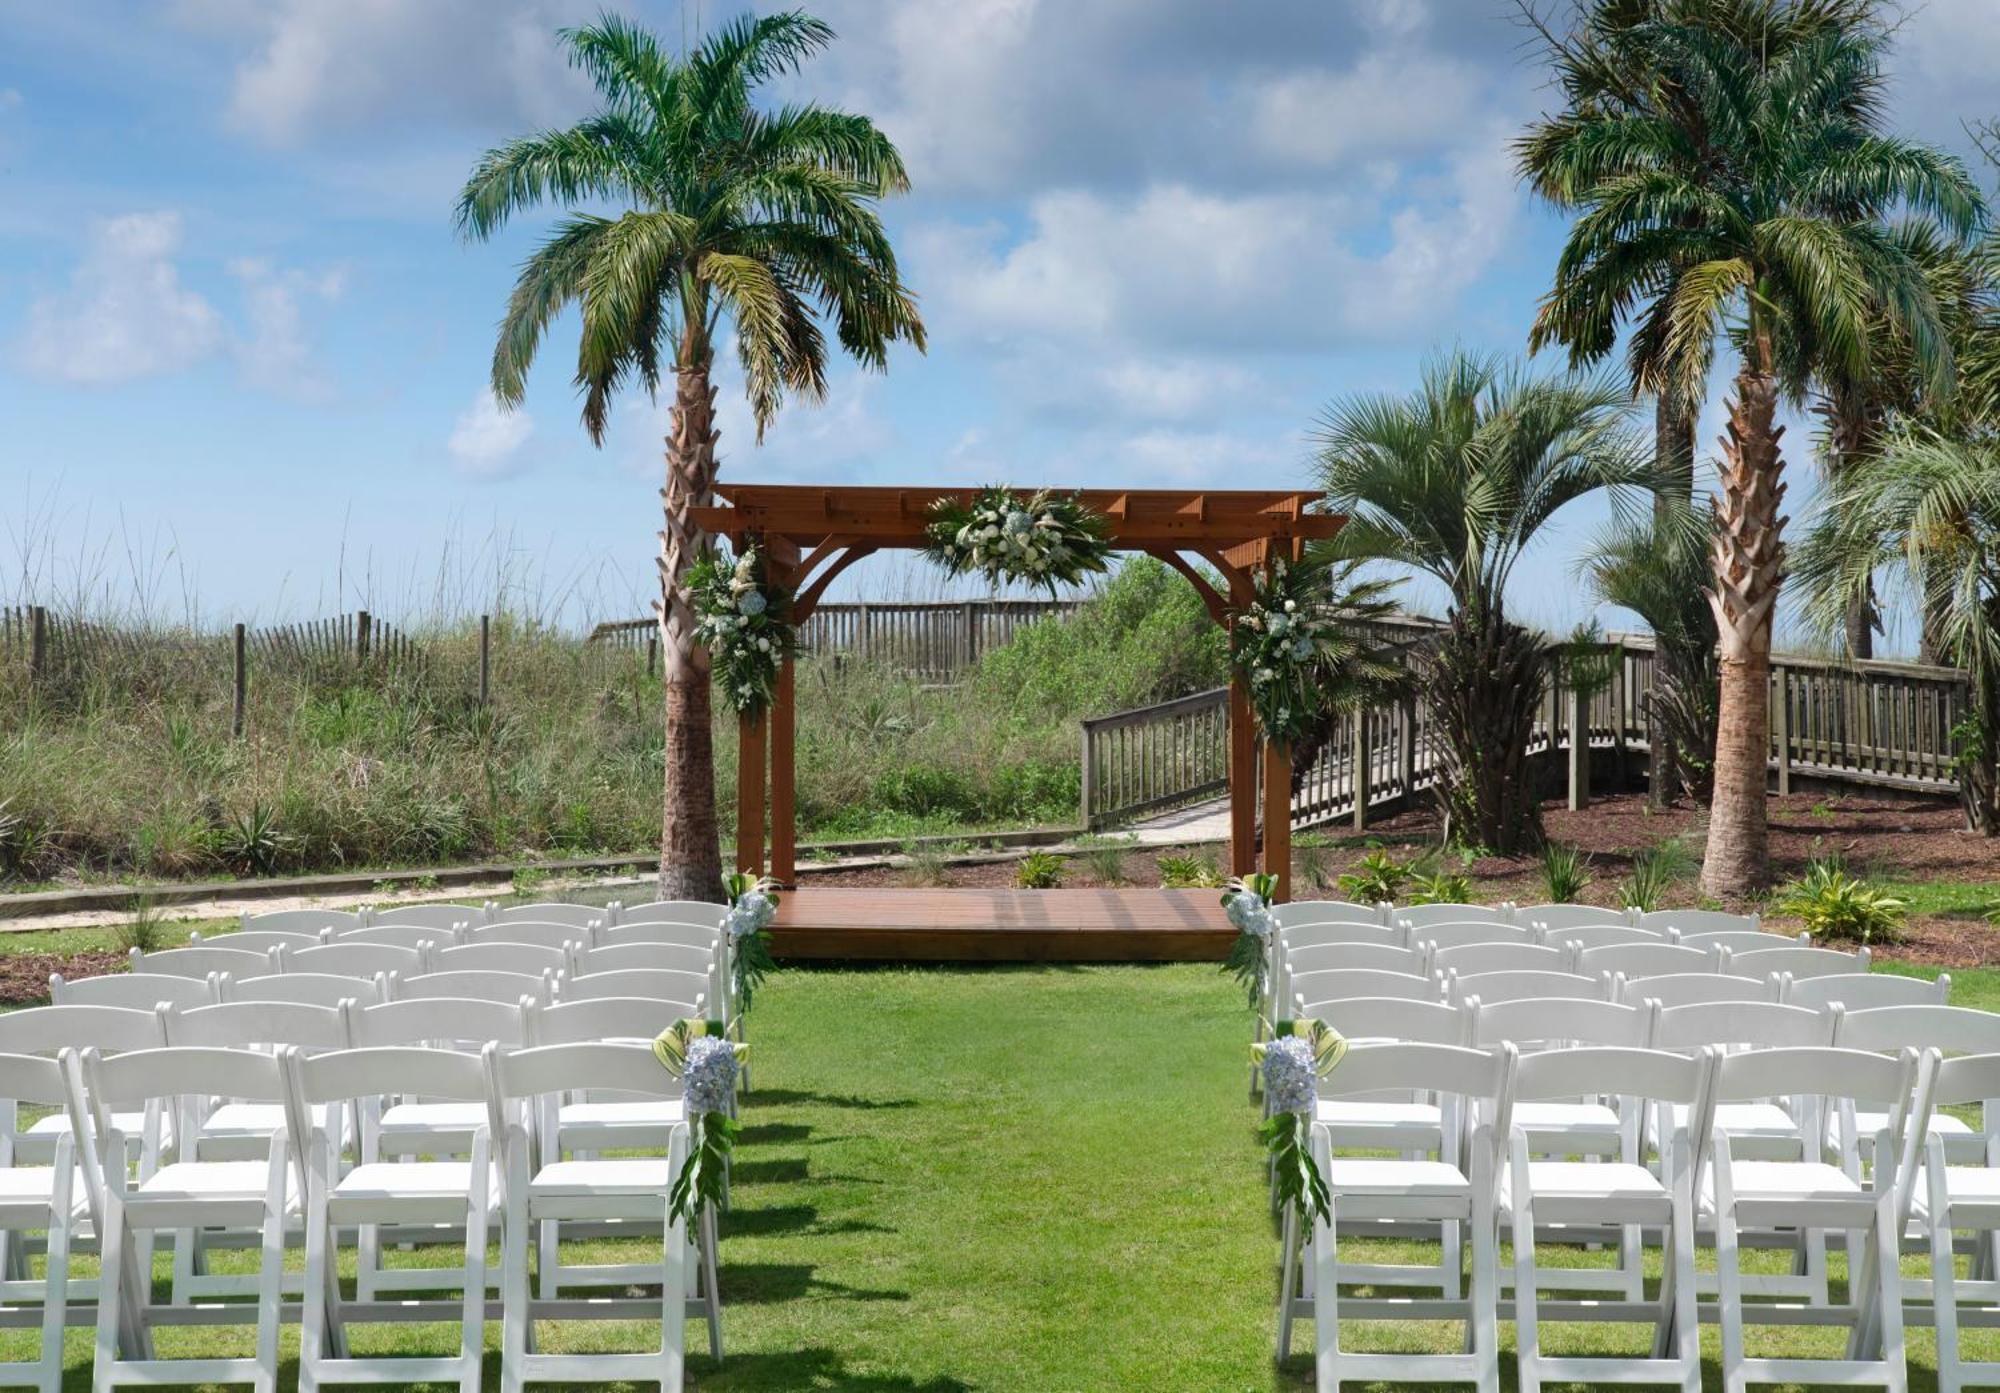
[242, 355]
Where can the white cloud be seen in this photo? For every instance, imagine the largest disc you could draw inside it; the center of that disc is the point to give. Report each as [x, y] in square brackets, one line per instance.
[486, 440]
[1389, 102]
[1203, 457]
[276, 353]
[10, 97]
[126, 314]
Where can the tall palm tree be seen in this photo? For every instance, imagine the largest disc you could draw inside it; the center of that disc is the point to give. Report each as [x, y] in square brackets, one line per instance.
[1773, 222]
[758, 221]
[1454, 481]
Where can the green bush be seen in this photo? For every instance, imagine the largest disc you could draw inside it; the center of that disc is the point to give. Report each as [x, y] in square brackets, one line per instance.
[1040, 870]
[1841, 908]
[1654, 870]
[1106, 857]
[1312, 862]
[1377, 878]
[1439, 887]
[1189, 872]
[1565, 873]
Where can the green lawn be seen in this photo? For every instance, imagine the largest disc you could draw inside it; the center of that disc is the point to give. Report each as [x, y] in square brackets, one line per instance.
[1012, 1179]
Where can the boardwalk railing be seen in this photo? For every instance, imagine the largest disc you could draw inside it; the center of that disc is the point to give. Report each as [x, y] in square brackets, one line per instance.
[1877, 724]
[930, 640]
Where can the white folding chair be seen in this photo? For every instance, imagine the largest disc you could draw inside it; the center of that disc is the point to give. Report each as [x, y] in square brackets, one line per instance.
[1393, 1018]
[186, 1195]
[48, 1030]
[1323, 957]
[690, 935]
[504, 987]
[254, 940]
[1601, 936]
[1299, 913]
[421, 937]
[133, 991]
[1529, 985]
[557, 1188]
[680, 957]
[1695, 921]
[1952, 1030]
[1550, 917]
[1865, 992]
[704, 912]
[687, 990]
[1623, 1195]
[431, 916]
[1474, 959]
[1798, 963]
[419, 1194]
[1764, 1128]
[1635, 960]
[526, 958]
[1813, 1197]
[1687, 988]
[1425, 916]
[310, 922]
[1455, 1191]
[1460, 935]
[557, 936]
[1949, 1198]
[1312, 991]
[1313, 935]
[363, 960]
[50, 1200]
[200, 962]
[1744, 940]
[322, 989]
[576, 916]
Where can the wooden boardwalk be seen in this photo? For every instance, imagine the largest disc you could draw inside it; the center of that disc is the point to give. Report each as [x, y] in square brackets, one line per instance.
[943, 925]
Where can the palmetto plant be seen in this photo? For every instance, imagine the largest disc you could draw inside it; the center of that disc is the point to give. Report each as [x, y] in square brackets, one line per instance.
[1454, 481]
[737, 219]
[1751, 201]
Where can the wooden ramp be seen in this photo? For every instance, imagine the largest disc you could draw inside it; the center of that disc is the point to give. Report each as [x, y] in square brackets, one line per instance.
[1051, 926]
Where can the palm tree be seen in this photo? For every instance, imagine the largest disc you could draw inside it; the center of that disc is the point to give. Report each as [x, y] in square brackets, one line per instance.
[1929, 521]
[1454, 482]
[760, 222]
[1773, 221]
[1658, 569]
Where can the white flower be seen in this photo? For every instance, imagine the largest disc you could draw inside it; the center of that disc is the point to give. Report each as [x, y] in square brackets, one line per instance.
[1279, 623]
[752, 603]
[763, 645]
[1291, 605]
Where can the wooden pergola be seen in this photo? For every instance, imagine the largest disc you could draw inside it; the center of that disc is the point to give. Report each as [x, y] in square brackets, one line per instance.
[811, 533]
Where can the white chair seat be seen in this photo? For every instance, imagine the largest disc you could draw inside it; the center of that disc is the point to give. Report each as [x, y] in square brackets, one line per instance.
[213, 1181]
[25, 1193]
[1747, 1119]
[625, 1175]
[433, 1119]
[416, 1190]
[1371, 1176]
[645, 1111]
[1969, 1186]
[1566, 1117]
[642, 1123]
[1784, 1181]
[56, 1124]
[1608, 1180]
[248, 1120]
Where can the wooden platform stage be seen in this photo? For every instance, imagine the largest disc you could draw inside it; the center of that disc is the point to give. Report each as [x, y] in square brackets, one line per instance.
[1056, 926]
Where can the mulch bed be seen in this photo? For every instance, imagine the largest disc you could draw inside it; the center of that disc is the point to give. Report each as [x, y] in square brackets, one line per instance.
[24, 977]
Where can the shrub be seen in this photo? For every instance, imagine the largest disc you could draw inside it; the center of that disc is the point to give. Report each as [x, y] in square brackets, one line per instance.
[1377, 878]
[1565, 873]
[1654, 870]
[1842, 908]
[144, 930]
[1189, 872]
[1439, 887]
[1312, 862]
[252, 842]
[926, 862]
[1040, 870]
[1105, 856]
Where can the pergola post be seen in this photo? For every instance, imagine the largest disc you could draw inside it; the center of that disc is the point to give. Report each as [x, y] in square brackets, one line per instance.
[784, 803]
[750, 793]
[1242, 780]
[1278, 816]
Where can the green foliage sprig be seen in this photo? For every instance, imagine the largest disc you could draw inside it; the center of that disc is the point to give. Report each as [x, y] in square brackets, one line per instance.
[745, 623]
[1045, 539]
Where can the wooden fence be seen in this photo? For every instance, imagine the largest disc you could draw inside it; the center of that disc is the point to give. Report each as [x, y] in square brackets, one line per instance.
[932, 641]
[1875, 724]
[358, 638]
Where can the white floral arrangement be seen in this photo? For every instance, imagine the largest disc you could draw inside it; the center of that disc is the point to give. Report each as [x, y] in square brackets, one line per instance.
[1278, 639]
[1247, 902]
[753, 905]
[708, 1065]
[1044, 539]
[745, 624]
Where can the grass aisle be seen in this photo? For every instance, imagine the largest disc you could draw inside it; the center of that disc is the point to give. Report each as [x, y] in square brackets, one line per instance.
[1004, 1179]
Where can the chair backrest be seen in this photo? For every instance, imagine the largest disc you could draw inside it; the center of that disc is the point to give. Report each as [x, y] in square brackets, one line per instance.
[421, 937]
[122, 1081]
[1627, 1071]
[1373, 935]
[1695, 921]
[688, 990]
[679, 957]
[255, 940]
[1423, 916]
[1457, 935]
[1392, 1018]
[1632, 960]
[1474, 1075]
[535, 934]
[597, 1066]
[1764, 1024]
[1299, 913]
[1312, 990]
[431, 916]
[1470, 959]
[1797, 962]
[137, 991]
[1528, 985]
[1686, 988]
[1548, 917]
[1742, 940]
[199, 962]
[304, 989]
[309, 922]
[1601, 936]
[1952, 1029]
[499, 957]
[448, 1021]
[32, 1078]
[1867, 991]
[245, 1024]
[1531, 1022]
[379, 1071]
[504, 987]
[576, 916]
[689, 935]
[112, 1029]
[601, 1018]
[703, 912]
[1323, 957]
[363, 960]
[1967, 1079]
[1826, 1072]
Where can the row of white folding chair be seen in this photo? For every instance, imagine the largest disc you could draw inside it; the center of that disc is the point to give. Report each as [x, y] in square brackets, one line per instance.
[1546, 916]
[301, 1177]
[1468, 1193]
[371, 959]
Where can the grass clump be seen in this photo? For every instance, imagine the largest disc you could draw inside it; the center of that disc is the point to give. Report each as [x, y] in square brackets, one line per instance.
[1040, 870]
[1105, 858]
[1841, 908]
[1654, 870]
[1565, 873]
[1189, 871]
[928, 863]
[1312, 862]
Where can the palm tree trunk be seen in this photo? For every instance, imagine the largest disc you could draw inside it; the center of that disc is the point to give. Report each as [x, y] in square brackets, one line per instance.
[1855, 435]
[1748, 560]
[690, 845]
[1673, 452]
